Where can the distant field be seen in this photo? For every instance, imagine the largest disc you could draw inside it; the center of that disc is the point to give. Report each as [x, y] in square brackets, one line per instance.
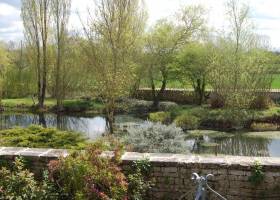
[276, 82]
[178, 84]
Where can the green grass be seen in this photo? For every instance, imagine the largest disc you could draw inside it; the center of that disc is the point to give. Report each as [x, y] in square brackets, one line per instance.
[276, 82]
[69, 105]
[178, 84]
[25, 102]
[263, 135]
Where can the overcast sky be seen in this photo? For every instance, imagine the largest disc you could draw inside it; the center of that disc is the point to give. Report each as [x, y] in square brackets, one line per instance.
[265, 13]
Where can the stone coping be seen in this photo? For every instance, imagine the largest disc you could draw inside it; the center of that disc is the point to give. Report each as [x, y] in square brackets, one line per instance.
[156, 158]
[33, 152]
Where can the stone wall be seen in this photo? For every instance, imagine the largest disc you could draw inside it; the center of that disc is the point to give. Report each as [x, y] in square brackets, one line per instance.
[184, 96]
[172, 172]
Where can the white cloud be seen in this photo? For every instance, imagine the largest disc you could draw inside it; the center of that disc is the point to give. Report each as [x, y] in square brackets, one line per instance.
[265, 14]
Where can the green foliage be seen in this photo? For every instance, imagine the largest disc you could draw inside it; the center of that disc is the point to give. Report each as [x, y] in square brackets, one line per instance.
[21, 184]
[89, 175]
[157, 138]
[39, 137]
[209, 133]
[138, 177]
[162, 117]
[193, 67]
[257, 174]
[187, 122]
[264, 127]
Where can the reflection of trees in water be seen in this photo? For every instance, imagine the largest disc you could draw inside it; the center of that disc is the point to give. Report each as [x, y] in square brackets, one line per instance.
[46, 120]
[92, 126]
[245, 146]
[242, 146]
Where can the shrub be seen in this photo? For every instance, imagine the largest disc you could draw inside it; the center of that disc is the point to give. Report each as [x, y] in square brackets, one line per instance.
[216, 100]
[264, 127]
[162, 117]
[257, 174]
[150, 137]
[138, 177]
[261, 102]
[187, 122]
[39, 137]
[167, 105]
[21, 184]
[89, 175]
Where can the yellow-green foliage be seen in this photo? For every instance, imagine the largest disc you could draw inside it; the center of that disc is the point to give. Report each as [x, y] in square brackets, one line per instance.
[264, 127]
[39, 137]
[163, 117]
[187, 122]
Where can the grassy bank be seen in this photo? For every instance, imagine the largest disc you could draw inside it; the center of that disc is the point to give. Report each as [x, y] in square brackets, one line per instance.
[73, 105]
[191, 117]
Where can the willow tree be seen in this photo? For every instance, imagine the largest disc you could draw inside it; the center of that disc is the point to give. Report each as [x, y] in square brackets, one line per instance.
[163, 42]
[112, 33]
[36, 16]
[61, 12]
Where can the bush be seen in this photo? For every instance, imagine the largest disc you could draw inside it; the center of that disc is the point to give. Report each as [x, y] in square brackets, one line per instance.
[162, 117]
[157, 138]
[264, 127]
[21, 184]
[89, 175]
[39, 137]
[216, 100]
[187, 122]
[261, 102]
[138, 177]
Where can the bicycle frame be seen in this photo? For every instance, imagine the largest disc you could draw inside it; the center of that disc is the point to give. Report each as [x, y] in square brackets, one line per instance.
[201, 192]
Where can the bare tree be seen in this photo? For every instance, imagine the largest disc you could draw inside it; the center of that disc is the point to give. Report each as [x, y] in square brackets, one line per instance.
[36, 20]
[61, 13]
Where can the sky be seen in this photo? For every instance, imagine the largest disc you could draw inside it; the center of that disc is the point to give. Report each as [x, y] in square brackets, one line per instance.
[265, 14]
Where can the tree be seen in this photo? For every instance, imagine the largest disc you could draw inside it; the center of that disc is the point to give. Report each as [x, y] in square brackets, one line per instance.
[112, 36]
[61, 13]
[240, 65]
[164, 40]
[19, 76]
[4, 62]
[36, 21]
[193, 63]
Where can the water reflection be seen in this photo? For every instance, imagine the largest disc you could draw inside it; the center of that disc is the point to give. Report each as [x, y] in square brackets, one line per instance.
[237, 145]
[92, 127]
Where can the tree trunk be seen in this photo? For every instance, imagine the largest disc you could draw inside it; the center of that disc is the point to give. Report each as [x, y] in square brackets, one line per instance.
[199, 90]
[159, 95]
[44, 67]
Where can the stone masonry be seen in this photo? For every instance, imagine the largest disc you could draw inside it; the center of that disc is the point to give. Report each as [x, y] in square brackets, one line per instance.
[171, 173]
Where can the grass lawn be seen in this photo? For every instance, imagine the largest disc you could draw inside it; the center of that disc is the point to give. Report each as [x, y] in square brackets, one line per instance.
[25, 102]
[73, 104]
[178, 84]
[276, 82]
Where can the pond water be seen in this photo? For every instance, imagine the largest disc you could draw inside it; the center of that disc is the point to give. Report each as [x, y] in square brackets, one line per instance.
[92, 127]
[95, 126]
[238, 144]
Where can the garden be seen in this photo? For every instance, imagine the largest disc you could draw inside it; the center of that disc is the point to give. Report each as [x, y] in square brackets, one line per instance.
[178, 89]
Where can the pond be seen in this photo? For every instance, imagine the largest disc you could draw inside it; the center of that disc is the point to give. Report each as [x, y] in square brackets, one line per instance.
[92, 127]
[241, 144]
